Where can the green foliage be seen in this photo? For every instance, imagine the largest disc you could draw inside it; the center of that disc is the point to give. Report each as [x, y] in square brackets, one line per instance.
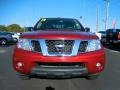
[12, 28]
[3, 28]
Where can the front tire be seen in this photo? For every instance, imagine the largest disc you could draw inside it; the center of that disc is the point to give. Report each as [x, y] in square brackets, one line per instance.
[3, 41]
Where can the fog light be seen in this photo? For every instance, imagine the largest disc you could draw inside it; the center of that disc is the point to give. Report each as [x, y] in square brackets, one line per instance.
[20, 64]
[98, 64]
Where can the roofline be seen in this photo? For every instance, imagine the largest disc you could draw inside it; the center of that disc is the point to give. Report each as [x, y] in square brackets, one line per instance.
[57, 18]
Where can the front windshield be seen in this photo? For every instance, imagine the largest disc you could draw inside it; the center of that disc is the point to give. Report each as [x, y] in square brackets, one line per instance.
[58, 24]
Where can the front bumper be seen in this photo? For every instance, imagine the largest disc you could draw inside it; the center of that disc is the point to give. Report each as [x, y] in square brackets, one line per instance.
[60, 72]
[30, 59]
[114, 41]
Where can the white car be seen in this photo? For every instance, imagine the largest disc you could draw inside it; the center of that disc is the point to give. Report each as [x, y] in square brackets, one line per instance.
[102, 36]
[16, 36]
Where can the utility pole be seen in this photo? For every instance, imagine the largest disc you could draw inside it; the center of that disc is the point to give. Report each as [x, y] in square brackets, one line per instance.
[97, 25]
[107, 14]
[114, 23]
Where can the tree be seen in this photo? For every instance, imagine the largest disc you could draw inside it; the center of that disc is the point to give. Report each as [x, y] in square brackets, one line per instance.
[14, 28]
[3, 28]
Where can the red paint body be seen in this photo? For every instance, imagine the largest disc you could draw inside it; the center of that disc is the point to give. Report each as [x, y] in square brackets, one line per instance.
[30, 58]
[119, 35]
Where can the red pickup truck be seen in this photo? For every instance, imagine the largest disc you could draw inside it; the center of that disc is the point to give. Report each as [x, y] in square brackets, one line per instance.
[119, 35]
[59, 48]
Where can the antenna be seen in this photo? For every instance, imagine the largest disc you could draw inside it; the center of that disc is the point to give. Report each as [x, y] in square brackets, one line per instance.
[97, 23]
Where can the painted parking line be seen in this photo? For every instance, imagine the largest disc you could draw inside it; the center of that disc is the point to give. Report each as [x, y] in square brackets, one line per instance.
[115, 51]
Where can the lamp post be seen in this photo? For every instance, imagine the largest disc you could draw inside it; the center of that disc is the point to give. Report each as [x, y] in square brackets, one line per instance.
[107, 14]
[97, 23]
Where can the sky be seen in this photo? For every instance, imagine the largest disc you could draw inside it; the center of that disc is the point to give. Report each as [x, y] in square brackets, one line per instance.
[28, 12]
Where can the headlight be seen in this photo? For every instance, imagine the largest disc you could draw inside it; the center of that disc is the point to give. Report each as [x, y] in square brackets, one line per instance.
[24, 44]
[93, 45]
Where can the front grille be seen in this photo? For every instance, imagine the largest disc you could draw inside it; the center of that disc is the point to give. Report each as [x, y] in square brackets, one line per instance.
[59, 46]
[83, 46]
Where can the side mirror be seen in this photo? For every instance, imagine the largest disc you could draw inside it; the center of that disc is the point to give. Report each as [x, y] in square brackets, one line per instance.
[87, 29]
[29, 28]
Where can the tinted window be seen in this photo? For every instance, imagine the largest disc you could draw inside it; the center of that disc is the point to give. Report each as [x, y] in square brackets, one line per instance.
[118, 30]
[113, 30]
[57, 24]
[102, 32]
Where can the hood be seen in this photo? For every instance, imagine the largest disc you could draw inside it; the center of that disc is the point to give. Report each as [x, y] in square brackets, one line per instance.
[58, 35]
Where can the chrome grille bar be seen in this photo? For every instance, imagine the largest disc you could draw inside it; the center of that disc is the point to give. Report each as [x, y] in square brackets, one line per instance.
[79, 46]
[74, 49]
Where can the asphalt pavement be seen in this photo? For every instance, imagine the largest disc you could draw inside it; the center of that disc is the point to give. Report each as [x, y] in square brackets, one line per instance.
[108, 80]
